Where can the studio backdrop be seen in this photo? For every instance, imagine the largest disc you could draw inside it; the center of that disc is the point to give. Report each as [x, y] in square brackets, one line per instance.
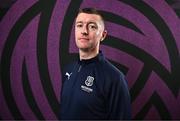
[37, 40]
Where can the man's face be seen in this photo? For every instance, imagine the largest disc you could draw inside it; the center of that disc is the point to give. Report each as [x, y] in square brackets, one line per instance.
[89, 31]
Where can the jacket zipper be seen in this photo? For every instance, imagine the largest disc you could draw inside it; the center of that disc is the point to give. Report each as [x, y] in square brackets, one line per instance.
[79, 68]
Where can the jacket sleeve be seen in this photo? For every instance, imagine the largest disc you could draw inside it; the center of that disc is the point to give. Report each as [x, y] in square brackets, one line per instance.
[119, 103]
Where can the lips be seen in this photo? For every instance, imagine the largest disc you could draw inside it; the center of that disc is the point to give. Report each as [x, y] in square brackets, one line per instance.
[83, 39]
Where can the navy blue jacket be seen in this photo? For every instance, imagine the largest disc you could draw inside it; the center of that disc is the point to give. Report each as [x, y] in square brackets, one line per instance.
[94, 89]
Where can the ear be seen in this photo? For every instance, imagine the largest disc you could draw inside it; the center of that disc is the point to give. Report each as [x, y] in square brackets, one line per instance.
[104, 35]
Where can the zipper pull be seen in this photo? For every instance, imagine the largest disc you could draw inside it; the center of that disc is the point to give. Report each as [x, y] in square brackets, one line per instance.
[79, 68]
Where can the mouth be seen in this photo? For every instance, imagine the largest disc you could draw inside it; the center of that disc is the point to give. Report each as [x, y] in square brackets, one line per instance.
[83, 39]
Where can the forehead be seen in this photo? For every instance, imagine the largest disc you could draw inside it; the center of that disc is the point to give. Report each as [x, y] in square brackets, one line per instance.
[85, 17]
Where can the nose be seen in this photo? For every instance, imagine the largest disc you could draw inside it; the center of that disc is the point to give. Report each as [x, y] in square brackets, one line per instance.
[84, 31]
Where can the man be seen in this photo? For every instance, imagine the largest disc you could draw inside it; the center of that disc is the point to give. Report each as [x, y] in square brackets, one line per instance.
[92, 87]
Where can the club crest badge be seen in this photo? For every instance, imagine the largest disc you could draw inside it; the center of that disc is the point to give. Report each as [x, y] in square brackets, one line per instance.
[89, 81]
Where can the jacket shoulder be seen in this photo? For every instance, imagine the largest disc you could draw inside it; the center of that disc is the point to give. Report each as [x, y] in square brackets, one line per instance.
[111, 70]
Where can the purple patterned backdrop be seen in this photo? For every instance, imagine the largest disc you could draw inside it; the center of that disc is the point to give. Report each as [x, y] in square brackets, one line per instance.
[37, 40]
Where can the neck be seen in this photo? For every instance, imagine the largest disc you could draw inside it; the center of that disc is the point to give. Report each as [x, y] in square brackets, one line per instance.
[85, 55]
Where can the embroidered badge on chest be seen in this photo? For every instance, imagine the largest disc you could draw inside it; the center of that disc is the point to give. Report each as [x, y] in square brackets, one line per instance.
[68, 75]
[88, 82]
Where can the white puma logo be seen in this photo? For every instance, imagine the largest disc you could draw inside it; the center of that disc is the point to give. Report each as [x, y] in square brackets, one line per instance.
[68, 75]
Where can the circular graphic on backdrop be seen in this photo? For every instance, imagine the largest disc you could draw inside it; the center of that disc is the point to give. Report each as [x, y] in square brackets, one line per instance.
[37, 40]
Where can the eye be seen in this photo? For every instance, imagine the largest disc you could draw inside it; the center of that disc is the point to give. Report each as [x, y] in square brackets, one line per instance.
[79, 25]
[92, 27]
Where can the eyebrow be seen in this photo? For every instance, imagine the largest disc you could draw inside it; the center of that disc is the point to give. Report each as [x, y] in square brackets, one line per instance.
[91, 22]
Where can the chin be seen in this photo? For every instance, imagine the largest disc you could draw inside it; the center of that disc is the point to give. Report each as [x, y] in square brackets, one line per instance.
[84, 49]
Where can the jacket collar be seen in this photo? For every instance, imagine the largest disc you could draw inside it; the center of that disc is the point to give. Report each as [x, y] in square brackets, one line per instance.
[97, 58]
